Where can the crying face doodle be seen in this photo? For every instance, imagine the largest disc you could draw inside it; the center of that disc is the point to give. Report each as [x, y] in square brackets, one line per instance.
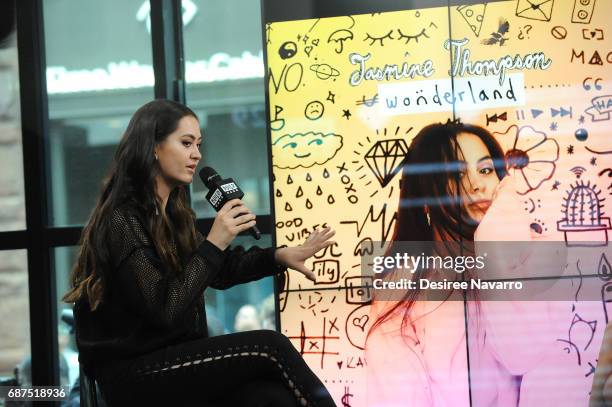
[314, 110]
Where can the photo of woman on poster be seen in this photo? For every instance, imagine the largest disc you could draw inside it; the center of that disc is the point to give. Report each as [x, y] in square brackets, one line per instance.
[458, 187]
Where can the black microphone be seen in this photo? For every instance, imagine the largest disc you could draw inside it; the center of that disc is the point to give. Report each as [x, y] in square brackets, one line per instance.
[222, 190]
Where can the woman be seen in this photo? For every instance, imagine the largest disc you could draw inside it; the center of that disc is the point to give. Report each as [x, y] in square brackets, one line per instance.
[141, 272]
[447, 352]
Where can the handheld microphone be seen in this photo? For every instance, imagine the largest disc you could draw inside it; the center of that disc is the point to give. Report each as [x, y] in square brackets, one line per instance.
[222, 190]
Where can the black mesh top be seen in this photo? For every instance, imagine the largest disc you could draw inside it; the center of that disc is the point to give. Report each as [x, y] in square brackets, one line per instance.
[147, 307]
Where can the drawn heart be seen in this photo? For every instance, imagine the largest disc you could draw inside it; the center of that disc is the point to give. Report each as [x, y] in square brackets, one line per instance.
[361, 322]
[593, 34]
[315, 42]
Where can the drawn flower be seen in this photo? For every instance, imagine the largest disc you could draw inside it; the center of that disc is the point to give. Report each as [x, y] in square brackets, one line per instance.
[531, 153]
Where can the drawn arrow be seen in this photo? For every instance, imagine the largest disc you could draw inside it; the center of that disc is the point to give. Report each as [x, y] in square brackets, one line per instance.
[496, 117]
[563, 112]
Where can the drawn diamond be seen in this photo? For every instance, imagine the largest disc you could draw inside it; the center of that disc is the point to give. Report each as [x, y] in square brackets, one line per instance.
[385, 159]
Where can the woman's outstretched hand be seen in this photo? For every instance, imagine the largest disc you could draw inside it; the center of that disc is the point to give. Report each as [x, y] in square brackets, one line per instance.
[294, 257]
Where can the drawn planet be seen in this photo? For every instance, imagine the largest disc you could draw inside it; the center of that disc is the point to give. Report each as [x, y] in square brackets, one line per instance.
[324, 71]
[314, 110]
[287, 50]
[581, 134]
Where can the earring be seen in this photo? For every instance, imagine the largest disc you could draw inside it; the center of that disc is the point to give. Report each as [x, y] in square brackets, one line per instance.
[428, 218]
[155, 157]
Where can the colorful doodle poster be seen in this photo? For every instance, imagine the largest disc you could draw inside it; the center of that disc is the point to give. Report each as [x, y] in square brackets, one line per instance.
[346, 97]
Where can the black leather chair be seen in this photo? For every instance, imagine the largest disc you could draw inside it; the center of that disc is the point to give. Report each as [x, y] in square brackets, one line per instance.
[87, 390]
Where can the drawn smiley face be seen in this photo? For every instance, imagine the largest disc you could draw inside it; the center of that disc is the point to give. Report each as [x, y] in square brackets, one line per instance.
[314, 110]
[305, 149]
[295, 147]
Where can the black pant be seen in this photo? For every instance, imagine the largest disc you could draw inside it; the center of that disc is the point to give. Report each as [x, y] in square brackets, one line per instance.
[251, 369]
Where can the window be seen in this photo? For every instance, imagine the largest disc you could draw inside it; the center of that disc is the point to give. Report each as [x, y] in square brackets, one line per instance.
[225, 86]
[68, 363]
[12, 197]
[14, 313]
[243, 307]
[92, 95]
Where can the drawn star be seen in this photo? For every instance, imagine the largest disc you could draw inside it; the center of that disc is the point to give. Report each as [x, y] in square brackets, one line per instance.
[570, 149]
[581, 120]
[555, 186]
[331, 96]
[554, 126]
[347, 113]
[593, 160]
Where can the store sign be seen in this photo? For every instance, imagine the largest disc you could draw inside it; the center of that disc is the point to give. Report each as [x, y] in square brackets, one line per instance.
[131, 74]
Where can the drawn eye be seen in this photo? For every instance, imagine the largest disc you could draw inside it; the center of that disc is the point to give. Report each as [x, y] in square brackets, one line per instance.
[292, 145]
[380, 39]
[318, 141]
[408, 38]
[606, 170]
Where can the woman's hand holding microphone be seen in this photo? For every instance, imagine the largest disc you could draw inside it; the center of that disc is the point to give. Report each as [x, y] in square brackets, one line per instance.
[234, 217]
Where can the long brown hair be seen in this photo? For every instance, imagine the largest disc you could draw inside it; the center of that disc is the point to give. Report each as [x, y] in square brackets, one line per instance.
[430, 175]
[131, 181]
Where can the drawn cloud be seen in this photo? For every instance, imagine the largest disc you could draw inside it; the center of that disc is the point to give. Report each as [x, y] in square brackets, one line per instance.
[305, 149]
